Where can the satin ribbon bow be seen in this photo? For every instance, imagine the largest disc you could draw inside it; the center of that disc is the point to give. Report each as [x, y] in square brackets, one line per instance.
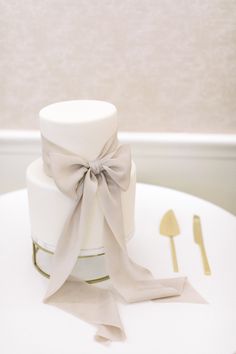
[81, 180]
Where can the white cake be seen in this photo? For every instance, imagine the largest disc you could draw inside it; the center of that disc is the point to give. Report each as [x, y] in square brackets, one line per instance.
[82, 127]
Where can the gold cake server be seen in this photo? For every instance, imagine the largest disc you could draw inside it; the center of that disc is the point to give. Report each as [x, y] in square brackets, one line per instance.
[198, 238]
[169, 227]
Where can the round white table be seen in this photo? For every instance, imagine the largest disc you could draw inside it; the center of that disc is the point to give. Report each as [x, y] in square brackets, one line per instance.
[28, 326]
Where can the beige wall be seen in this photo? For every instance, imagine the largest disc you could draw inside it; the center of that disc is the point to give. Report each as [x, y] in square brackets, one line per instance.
[167, 65]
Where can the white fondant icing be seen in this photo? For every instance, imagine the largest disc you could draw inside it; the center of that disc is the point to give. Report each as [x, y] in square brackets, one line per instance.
[80, 126]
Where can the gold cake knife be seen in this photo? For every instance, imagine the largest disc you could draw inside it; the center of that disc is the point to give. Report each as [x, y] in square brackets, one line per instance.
[169, 227]
[198, 238]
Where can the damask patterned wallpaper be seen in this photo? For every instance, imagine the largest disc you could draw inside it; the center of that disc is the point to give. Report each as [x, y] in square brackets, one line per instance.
[167, 65]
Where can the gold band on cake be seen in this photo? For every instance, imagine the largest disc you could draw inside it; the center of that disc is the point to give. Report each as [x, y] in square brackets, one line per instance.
[37, 247]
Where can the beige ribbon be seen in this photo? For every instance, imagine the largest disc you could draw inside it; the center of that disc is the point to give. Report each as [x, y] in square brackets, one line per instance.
[81, 180]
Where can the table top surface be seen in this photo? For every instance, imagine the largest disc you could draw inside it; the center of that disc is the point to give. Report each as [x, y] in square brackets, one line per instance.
[29, 326]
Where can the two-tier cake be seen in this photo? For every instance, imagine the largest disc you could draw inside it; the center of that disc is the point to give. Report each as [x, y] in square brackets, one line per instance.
[81, 127]
[81, 198]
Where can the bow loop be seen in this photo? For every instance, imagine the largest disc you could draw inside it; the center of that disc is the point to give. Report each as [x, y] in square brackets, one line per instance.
[118, 166]
[68, 172]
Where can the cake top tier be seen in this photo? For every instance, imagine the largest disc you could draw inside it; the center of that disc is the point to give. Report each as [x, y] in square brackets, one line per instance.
[80, 126]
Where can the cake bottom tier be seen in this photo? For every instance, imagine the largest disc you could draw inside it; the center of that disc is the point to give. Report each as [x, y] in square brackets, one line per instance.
[49, 208]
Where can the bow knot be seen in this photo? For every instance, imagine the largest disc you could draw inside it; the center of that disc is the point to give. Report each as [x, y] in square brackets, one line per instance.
[96, 166]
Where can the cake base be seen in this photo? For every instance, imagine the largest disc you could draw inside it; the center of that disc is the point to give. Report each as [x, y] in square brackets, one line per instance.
[91, 269]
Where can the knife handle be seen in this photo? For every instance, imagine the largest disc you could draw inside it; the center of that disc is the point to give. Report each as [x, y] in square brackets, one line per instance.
[205, 262]
[173, 254]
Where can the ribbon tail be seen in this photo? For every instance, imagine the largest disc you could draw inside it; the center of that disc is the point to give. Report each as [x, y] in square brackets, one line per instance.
[70, 242]
[134, 282]
[66, 253]
[92, 304]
